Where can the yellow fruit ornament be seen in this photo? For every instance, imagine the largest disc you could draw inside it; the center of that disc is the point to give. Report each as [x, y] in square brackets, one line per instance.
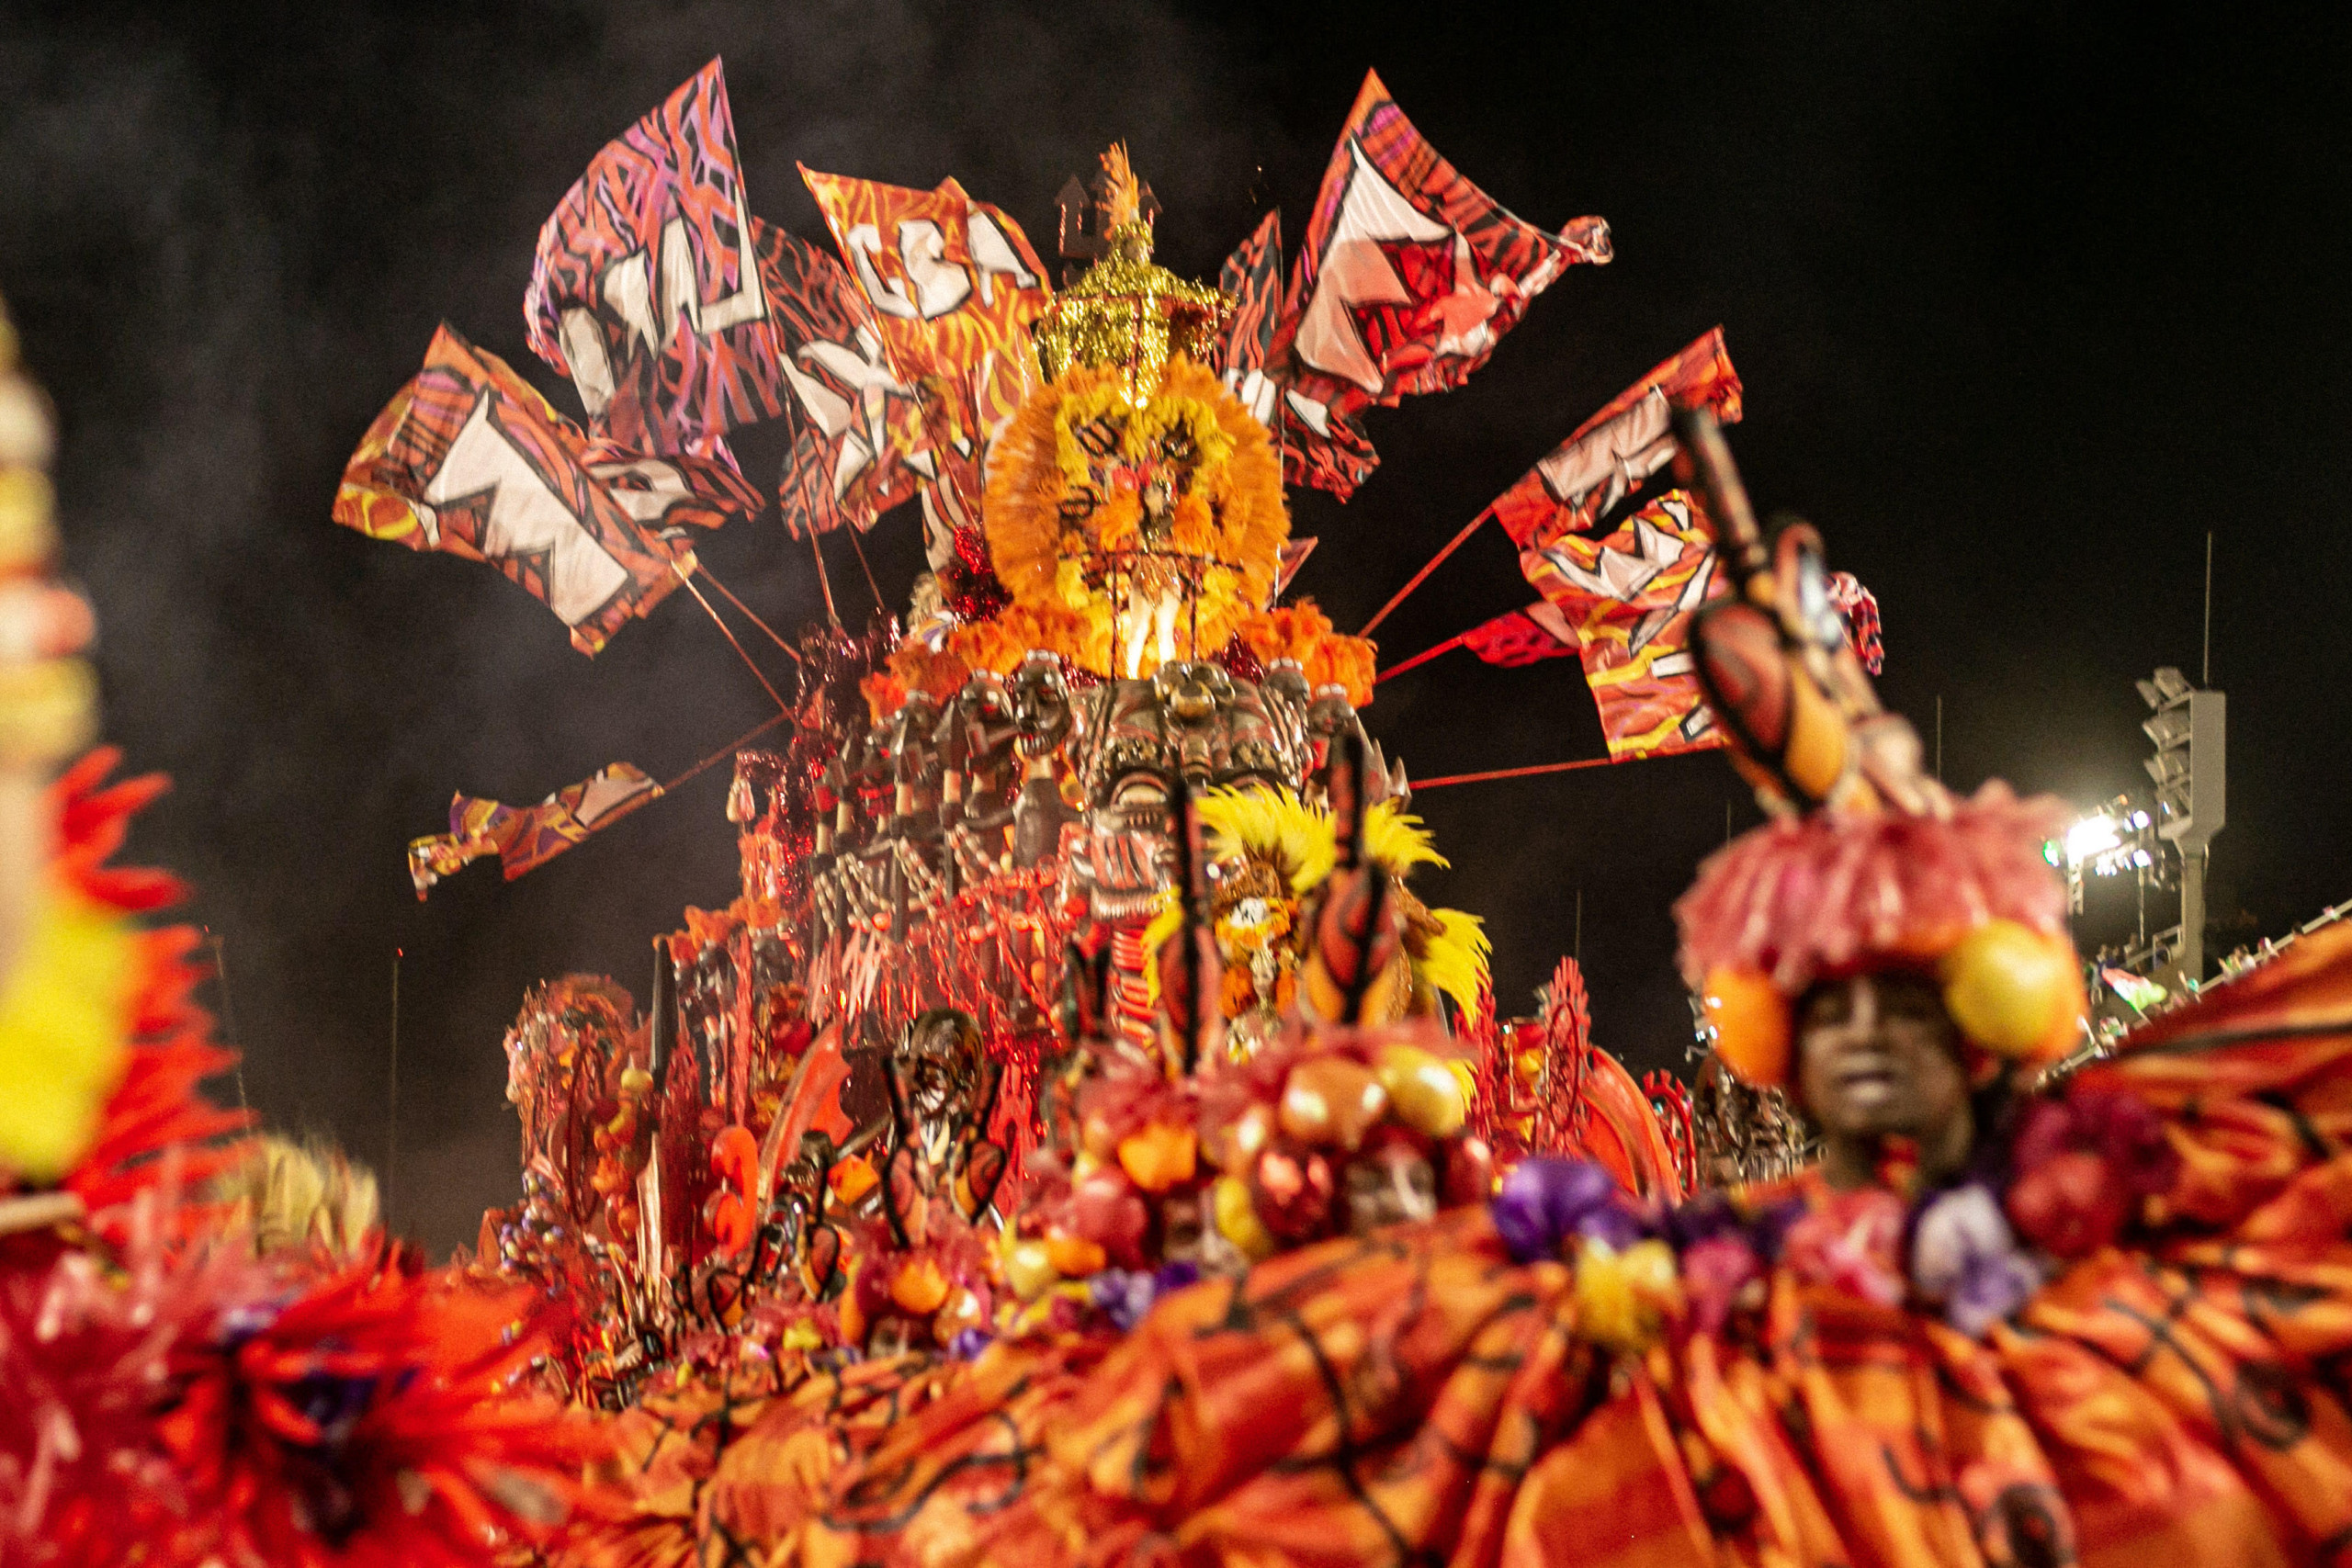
[1423, 1090]
[1158, 1156]
[920, 1287]
[1029, 1269]
[2014, 990]
[1237, 1219]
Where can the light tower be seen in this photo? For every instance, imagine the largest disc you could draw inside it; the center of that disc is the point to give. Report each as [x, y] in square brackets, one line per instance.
[2192, 792]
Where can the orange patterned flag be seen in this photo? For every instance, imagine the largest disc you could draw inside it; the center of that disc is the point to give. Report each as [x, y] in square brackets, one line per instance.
[955, 285]
[526, 837]
[1629, 597]
[646, 290]
[1252, 279]
[1408, 278]
[680, 317]
[1612, 454]
[469, 460]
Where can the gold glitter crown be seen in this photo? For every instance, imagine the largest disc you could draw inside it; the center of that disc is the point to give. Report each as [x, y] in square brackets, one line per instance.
[1126, 313]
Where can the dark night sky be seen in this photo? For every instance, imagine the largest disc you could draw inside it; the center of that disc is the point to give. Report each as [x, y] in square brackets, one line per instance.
[2026, 297]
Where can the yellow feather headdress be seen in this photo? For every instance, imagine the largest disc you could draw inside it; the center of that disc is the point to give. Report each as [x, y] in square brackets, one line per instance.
[304, 1194]
[1276, 827]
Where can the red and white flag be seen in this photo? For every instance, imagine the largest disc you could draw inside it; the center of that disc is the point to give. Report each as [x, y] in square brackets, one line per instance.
[1408, 277]
[469, 460]
[1611, 455]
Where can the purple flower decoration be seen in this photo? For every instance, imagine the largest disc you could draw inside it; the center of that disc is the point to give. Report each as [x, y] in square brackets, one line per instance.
[968, 1343]
[1613, 1224]
[1706, 1216]
[1963, 1254]
[1991, 1291]
[1124, 1296]
[1177, 1275]
[1542, 1201]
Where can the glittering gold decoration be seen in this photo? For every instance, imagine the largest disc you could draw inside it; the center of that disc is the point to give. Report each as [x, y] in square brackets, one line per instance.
[1128, 314]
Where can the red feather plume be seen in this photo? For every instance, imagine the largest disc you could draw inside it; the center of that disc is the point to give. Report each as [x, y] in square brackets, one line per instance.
[158, 1105]
[375, 1420]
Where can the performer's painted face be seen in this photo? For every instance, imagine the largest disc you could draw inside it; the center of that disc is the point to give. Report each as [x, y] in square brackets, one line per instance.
[1877, 1058]
[938, 1068]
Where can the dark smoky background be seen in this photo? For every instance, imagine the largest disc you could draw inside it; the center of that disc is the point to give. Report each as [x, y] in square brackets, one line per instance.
[2027, 299]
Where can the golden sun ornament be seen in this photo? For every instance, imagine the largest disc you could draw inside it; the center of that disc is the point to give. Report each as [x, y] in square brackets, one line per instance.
[1153, 515]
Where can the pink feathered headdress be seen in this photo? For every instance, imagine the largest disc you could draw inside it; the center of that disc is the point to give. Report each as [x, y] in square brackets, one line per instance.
[1804, 897]
[1967, 896]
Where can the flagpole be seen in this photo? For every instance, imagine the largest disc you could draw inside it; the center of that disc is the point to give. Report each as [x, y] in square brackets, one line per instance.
[1423, 575]
[228, 1008]
[1420, 784]
[822, 581]
[871, 586]
[1448, 646]
[392, 1099]
[730, 636]
[725, 751]
[709, 576]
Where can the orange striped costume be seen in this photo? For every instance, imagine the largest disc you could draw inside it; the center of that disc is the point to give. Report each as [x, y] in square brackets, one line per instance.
[1416, 1397]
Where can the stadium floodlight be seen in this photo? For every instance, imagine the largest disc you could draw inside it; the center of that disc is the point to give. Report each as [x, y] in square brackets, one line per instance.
[2189, 728]
[2090, 838]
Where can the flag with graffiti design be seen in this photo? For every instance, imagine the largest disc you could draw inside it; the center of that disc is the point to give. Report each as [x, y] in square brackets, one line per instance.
[1408, 277]
[1628, 597]
[1611, 455]
[469, 460]
[646, 290]
[954, 286]
[1252, 279]
[523, 838]
[679, 317]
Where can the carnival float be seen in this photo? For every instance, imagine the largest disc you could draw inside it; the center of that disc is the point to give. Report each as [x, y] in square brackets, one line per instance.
[1093, 829]
[1076, 1142]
